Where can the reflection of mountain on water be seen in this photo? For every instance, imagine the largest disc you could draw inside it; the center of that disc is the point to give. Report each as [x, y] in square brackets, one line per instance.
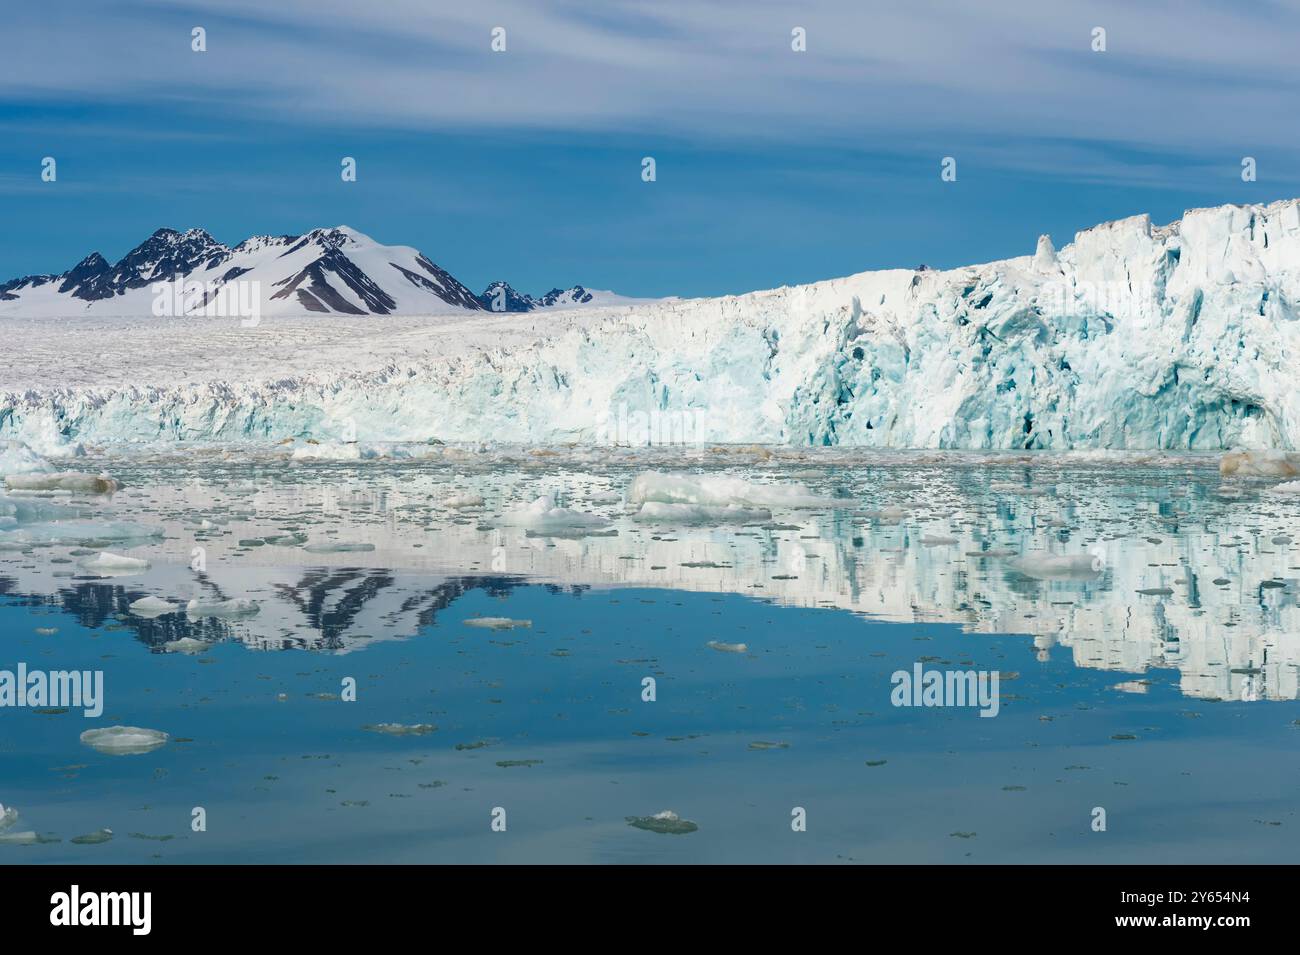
[1197, 575]
[328, 605]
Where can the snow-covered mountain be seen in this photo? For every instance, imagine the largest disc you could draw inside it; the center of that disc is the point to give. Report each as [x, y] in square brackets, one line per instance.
[335, 270]
[501, 297]
[1133, 336]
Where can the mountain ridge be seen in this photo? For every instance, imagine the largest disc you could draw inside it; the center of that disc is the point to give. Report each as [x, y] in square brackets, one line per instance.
[326, 270]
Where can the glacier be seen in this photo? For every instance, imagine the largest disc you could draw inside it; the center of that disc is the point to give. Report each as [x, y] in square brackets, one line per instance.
[1133, 336]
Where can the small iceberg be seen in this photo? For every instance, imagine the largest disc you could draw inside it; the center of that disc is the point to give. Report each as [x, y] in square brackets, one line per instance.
[728, 647]
[348, 451]
[1259, 464]
[124, 740]
[21, 839]
[458, 501]
[114, 565]
[18, 458]
[720, 489]
[338, 547]
[187, 645]
[150, 607]
[542, 516]
[400, 729]
[666, 822]
[66, 482]
[237, 607]
[497, 623]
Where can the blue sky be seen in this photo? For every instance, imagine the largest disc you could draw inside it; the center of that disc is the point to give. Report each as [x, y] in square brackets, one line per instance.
[773, 166]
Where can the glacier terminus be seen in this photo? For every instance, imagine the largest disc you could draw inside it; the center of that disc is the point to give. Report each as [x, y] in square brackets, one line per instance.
[1133, 336]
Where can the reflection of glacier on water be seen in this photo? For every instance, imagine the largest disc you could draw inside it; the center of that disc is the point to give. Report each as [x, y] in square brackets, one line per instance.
[1168, 565]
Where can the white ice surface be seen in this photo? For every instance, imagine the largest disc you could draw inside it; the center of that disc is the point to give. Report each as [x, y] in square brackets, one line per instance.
[1133, 336]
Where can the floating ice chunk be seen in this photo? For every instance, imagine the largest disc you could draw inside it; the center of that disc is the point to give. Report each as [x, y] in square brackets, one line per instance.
[54, 531]
[187, 645]
[992, 552]
[1057, 565]
[891, 514]
[150, 607]
[286, 540]
[666, 822]
[401, 729]
[718, 489]
[114, 565]
[657, 512]
[19, 839]
[236, 607]
[124, 740]
[936, 540]
[543, 516]
[728, 647]
[497, 623]
[1131, 686]
[350, 451]
[18, 458]
[1259, 464]
[459, 501]
[68, 481]
[338, 547]
[1290, 487]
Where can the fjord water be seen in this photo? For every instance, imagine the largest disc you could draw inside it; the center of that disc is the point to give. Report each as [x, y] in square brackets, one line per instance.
[1173, 710]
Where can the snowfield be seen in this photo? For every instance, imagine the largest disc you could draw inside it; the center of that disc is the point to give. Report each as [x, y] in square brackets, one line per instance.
[1184, 336]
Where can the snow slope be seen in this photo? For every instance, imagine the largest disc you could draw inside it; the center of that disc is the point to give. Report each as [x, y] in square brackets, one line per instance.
[1133, 336]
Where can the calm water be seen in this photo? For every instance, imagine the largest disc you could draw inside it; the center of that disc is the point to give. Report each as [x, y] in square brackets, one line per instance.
[1174, 712]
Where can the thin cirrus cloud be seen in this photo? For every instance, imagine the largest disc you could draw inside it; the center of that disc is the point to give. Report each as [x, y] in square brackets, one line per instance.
[1184, 77]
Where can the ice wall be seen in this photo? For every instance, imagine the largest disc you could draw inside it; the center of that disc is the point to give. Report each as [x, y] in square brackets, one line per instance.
[1133, 336]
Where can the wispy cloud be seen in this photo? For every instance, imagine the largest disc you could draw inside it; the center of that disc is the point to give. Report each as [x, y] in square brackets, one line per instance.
[1188, 77]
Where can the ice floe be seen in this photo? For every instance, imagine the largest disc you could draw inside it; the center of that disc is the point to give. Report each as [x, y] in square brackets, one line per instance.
[497, 623]
[1260, 464]
[459, 501]
[109, 564]
[721, 490]
[235, 607]
[658, 512]
[17, 458]
[544, 516]
[124, 740]
[338, 547]
[150, 607]
[666, 822]
[728, 647]
[70, 482]
[187, 645]
[328, 452]
[401, 729]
